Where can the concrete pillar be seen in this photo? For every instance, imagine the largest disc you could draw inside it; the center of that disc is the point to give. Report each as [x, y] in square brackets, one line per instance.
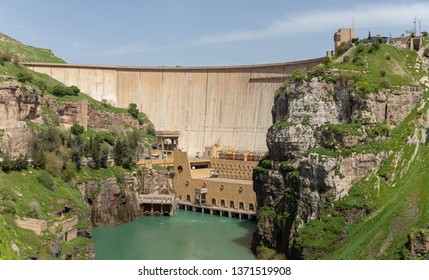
[193, 209]
[211, 212]
[84, 114]
[229, 214]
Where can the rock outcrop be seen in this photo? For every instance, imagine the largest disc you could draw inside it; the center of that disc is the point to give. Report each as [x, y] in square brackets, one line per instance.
[114, 202]
[17, 104]
[312, 160]
[418, 245]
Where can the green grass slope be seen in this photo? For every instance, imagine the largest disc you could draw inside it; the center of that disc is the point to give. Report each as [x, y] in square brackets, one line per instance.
[12, 48]
[390, 202]
[22, 195]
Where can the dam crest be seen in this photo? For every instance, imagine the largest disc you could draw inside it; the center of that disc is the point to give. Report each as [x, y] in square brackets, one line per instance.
[211, 105]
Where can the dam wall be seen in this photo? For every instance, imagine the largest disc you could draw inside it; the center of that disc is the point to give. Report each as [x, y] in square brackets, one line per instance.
[229, 106]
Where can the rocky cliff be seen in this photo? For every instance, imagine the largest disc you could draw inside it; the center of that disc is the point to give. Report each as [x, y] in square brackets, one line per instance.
[17, 104]
[114, 201]
[319, 146]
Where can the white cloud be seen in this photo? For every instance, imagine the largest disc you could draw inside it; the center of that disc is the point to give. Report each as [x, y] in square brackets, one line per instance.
[365, 16]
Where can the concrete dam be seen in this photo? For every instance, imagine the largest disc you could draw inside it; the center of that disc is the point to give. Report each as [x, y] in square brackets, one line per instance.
[227, 105]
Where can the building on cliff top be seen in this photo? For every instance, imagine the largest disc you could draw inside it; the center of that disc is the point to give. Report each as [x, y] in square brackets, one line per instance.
[343, 35]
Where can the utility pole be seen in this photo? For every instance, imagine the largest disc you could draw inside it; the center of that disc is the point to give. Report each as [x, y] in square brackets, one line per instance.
[415, 30]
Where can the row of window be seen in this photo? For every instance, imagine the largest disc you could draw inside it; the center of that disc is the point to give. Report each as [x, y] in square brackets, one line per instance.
[223, 204]
[235, 174]
[232, 166]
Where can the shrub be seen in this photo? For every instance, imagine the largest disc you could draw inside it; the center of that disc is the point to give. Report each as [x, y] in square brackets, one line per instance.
[70, 172]
[53, 164]
[346, 58]
[297, 76]
[75, 90]
[61, 90]
[382, 73]
[24, 77]
[133, 111]
[8, 207]
[34, 209]
[47, 180]
[77, 129]
[360, 48]
[41, 84]
[424, 33]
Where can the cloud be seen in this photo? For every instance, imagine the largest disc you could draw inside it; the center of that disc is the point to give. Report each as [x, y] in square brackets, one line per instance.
[365, 16]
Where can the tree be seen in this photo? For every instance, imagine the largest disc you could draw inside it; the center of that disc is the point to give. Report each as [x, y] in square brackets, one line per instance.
[77, 129]
[133, 111]
[122, 154]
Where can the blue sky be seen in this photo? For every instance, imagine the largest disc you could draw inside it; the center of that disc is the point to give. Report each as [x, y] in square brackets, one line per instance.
[197, 32]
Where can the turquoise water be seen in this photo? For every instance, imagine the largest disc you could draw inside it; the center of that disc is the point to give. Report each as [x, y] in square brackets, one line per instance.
[185, 236]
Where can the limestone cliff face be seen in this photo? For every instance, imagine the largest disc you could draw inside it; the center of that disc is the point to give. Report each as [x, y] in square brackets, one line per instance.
[112, 202]
[311, 158]
[17, 104]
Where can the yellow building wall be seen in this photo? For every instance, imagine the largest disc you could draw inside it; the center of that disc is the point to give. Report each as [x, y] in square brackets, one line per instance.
[227, 190]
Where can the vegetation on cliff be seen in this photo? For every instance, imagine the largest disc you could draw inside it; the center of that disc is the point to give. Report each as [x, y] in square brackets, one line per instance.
[62, 155]
[376, 146]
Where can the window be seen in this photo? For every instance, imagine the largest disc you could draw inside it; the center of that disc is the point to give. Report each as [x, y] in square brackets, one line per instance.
[180, 169]
[214, 201]
[231, 204]
[251, 207]
[188, 197]
[241, 205]
[222, 203]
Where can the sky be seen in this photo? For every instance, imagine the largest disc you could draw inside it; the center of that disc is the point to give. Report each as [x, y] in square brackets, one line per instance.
[200, 32]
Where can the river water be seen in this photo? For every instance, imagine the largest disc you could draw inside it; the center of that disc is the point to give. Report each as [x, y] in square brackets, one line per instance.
[185, 236]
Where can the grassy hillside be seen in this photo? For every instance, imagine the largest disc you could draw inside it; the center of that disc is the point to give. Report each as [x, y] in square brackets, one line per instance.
[394, 200]
[50, 191]
[11, 48]
[23, 195]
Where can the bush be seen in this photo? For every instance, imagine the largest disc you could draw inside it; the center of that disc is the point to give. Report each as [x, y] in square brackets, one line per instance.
[75, 90]
[8, 207]
[47, 180]
[297, 76]
[382, 73]
[24, 77]
[41, 84]
[34, 209]
[346, 58]
[53, 164]
[8, 164]
[133, 111]
[70, 172]
[77, 129]
[61, 90]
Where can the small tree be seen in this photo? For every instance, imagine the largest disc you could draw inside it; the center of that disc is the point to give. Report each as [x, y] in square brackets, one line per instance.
[77, 129]
[133, 111]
